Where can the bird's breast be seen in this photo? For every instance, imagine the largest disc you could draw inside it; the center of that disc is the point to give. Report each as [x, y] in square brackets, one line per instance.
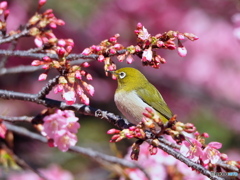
[130, 105]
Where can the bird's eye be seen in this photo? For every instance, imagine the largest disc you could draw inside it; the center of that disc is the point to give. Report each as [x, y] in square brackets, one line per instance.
[122, 75]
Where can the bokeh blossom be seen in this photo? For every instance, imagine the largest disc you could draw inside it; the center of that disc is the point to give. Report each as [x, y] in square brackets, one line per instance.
[159, 166]
[53, 172]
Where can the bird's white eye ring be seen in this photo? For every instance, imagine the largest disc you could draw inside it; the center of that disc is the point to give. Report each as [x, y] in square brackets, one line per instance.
[122, 75]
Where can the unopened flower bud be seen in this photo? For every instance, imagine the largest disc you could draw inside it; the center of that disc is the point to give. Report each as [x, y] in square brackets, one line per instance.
[42, 77]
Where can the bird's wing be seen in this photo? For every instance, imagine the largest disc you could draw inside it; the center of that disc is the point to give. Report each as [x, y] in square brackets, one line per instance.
[152, 96]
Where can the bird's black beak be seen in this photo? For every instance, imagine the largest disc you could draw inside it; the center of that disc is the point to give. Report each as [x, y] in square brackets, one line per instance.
[112, 72]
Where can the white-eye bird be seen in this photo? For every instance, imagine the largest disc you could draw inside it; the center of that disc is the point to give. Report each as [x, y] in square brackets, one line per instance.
[135, 93]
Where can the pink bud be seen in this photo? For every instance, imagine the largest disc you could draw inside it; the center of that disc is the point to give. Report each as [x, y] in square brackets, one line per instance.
[117, 46]
[42, 77]
[98, 48]
[181, 37]
[85, 99]
[60, 22]
[112, 39]
[101, 58]
[48, 11]
[61, 42]
[113, 131]
[53, 25]
[47, 59]
[114, 137]
[83, 73]
[51, 143]
[182, 51]
[148, 109]
[224, 157]
[89, 77]
[58, 88]
[85, 64]
[61, 52]
[139, 25]
[86, 51]
[205, 135]
[36, 63]
[45, 66]
[146, 114]
[160, 43]
[41, 2]
[129, 136]
[129, 59]
[112, 51]
[38, 41]
[69, 49]
[136, 31]
[3, 5]
[132, 128]
[78, 75]
[70, 42]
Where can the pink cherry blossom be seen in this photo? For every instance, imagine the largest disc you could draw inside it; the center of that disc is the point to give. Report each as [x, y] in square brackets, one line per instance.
[61, 128]
[157, 166]
[64, 140]
[52, 172]
[53, 123]
[147, 55]
[69, 97]
[144, 35]
[211, 154]
[192, 149]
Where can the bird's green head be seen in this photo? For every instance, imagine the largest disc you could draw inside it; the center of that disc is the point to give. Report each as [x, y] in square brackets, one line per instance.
[129, 78]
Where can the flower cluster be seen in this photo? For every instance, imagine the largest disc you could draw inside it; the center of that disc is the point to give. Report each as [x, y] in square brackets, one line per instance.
[159, 166]
[146, 44]
[192, 143]
[131, 132]
[61, 128]
[71, 75]
[144, 48]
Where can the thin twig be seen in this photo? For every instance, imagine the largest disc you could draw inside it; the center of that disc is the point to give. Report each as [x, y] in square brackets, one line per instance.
[19, 69]
[24, 32]
[15, 119]
[46, 89]
[5, 58]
